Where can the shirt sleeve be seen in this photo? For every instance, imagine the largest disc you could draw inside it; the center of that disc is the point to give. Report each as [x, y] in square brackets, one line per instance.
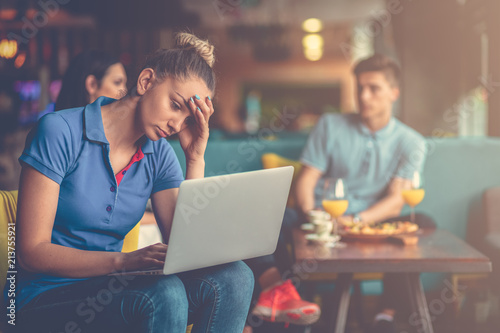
[168, 170]
[413, 157]
[48, 147]
[316, 151]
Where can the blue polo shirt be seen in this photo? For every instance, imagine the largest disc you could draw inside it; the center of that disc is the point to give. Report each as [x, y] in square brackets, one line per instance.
[340, 146]
[93, 212]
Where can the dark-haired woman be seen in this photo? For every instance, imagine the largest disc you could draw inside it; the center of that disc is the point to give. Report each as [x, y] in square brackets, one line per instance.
[91, 74]
[87, 175]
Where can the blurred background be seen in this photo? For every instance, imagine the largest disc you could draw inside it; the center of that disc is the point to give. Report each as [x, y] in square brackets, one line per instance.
[281, 64]
[270, 54]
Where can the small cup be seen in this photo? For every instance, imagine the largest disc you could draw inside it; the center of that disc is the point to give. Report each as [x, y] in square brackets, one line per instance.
[318, 216]
[323, 229]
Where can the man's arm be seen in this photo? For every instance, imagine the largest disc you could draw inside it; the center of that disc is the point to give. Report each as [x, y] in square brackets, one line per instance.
[412, 160]
[389, 206]
[304, 188]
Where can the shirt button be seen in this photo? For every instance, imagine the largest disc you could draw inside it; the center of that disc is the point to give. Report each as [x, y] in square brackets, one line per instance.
[369, 144]
[112, 189]
[108, 208]
[124, 172]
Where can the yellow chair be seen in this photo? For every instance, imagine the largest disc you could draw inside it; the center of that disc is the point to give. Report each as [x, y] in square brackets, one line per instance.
[271, 160]
[131, 240]
[8, 211]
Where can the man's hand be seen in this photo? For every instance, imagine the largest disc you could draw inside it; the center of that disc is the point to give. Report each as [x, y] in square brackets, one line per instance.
[346, 220]
[390, 205]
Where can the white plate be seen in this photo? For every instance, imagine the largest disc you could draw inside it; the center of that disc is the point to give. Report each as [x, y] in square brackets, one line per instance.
[314, 237]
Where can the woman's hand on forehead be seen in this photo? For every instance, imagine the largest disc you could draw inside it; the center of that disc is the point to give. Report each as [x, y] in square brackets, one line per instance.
[194, 137]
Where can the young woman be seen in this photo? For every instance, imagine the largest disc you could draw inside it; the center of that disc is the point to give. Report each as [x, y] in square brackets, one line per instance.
[87, 175]
[91, 74]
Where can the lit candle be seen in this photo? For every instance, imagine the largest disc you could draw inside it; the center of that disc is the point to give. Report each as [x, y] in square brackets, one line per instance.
[339, 189]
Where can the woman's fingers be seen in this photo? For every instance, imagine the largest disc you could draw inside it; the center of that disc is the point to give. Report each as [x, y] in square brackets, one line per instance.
[208, 107]
[155, 257]
[153, 263]
[155, 251]
[196, 111]
[200, 117]
[208, 100]
[157, 248]
[150, 256]
[160, 245]
[203, 106]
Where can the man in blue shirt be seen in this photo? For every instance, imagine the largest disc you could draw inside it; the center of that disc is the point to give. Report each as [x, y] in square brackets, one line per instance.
[374, 153]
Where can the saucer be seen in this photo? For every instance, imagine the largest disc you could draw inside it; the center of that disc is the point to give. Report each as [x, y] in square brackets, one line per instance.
[314, 237]
[307, 227]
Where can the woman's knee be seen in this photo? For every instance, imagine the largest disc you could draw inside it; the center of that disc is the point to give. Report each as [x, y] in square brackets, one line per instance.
[261, 264]
[244, 273]
[237, 278]
[156, 303]
[161, 292]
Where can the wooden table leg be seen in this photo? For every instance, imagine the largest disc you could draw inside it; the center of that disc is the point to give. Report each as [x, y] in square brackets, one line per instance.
[357, 299]
[420, 316]
[341, 298]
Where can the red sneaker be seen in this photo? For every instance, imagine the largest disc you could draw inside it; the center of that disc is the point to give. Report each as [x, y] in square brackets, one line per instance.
[282, 303]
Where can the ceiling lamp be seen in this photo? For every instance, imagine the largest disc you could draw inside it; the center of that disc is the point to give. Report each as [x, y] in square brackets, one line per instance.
[19, 62]
[313, 54]
[8, 14]
[8, 48]
[312, 25]
[313, 47]
[313, 41]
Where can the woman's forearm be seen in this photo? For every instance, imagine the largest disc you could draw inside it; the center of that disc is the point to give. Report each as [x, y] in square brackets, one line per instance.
[64, 261]
[195, 169]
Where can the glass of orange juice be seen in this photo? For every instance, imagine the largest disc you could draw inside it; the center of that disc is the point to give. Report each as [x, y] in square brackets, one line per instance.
[415, 194]
[335, 203]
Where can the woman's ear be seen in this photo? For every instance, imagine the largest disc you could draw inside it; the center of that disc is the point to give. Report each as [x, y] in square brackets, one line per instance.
[91, 86]
[145, 81]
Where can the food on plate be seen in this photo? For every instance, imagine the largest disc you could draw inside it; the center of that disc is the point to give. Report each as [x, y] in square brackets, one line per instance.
[385, 228]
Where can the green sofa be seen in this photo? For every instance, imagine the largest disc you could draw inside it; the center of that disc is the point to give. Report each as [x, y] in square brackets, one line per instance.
[456, 173]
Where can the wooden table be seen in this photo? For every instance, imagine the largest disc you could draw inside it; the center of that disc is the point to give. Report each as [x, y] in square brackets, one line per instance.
[436, 251]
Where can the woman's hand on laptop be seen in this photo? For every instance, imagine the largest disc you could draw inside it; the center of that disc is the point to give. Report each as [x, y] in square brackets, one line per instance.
[152, 256]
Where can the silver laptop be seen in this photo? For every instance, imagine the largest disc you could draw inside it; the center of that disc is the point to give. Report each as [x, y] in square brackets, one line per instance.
[225, 218]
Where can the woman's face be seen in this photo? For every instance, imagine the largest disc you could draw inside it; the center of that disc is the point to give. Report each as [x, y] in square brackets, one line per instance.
[113, 84]
[163, 107]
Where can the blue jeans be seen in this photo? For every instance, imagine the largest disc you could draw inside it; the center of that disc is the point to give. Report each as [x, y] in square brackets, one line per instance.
[215, 299]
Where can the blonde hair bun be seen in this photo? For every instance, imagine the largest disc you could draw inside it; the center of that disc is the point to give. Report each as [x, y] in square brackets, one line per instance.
[185, 40]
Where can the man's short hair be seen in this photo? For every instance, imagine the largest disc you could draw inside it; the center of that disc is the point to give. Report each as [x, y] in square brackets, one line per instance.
[380, 63]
